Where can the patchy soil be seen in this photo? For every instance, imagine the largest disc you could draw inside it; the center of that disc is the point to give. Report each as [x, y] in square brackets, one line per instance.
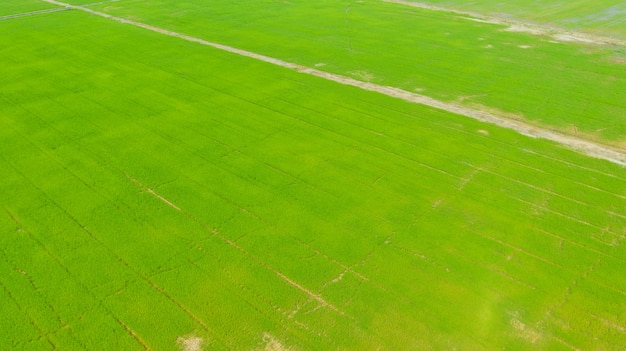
[556, 33]
[362, 75]
[525, 332]
[567, 37]
[270, 343]
[189, 343]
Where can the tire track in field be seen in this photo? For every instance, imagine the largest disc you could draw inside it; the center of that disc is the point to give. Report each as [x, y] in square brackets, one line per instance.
[579, 244]
[588, 148]
[609, 323]
[557, 33]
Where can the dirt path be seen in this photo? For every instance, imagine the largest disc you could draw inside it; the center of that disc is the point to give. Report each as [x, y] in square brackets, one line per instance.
[586, 147]
[556, 33]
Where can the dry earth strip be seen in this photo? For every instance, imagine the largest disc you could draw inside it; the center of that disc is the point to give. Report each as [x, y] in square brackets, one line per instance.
[557, 33]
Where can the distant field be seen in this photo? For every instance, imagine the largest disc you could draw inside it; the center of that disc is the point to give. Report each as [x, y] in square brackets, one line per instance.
[600, 16]
[8, 8]
[159, 194]
[578, 89]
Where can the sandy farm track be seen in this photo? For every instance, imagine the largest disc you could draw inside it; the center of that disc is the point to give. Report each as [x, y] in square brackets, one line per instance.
[586, 147]
[556, 33]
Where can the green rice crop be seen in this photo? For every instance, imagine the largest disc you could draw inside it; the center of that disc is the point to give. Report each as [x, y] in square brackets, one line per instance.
[160, 194]
[8, 8]
[602, 16]
[575, 88]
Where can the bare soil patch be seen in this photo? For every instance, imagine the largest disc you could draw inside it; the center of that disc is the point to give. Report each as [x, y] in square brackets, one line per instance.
[189, 343]
[273, 344]
[525, 332]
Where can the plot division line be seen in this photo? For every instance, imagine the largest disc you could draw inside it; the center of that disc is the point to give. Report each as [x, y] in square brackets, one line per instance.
[232, 244]
[26, 14]
[588, 148]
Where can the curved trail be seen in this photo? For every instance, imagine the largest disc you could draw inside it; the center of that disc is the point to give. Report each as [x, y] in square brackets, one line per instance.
[560, 34]
[589, 148]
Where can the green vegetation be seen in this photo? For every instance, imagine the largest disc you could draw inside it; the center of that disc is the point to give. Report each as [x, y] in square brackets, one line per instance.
[600, 16]
[576, 88]
[8, 8]
[156, 192]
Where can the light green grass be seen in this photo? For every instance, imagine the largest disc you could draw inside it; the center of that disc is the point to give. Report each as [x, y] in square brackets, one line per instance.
[577, 89]
[423, 231]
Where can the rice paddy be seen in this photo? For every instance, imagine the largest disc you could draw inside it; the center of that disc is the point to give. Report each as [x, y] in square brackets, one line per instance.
[162, 194]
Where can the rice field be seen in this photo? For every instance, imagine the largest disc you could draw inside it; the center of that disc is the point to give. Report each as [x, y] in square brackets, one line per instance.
[603, 16]
[572, 87]
[162, 194]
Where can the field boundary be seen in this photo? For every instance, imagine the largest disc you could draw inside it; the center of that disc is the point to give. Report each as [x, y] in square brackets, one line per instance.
[588, 148]
[32, 13]
[557, 33]
[217, 234]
